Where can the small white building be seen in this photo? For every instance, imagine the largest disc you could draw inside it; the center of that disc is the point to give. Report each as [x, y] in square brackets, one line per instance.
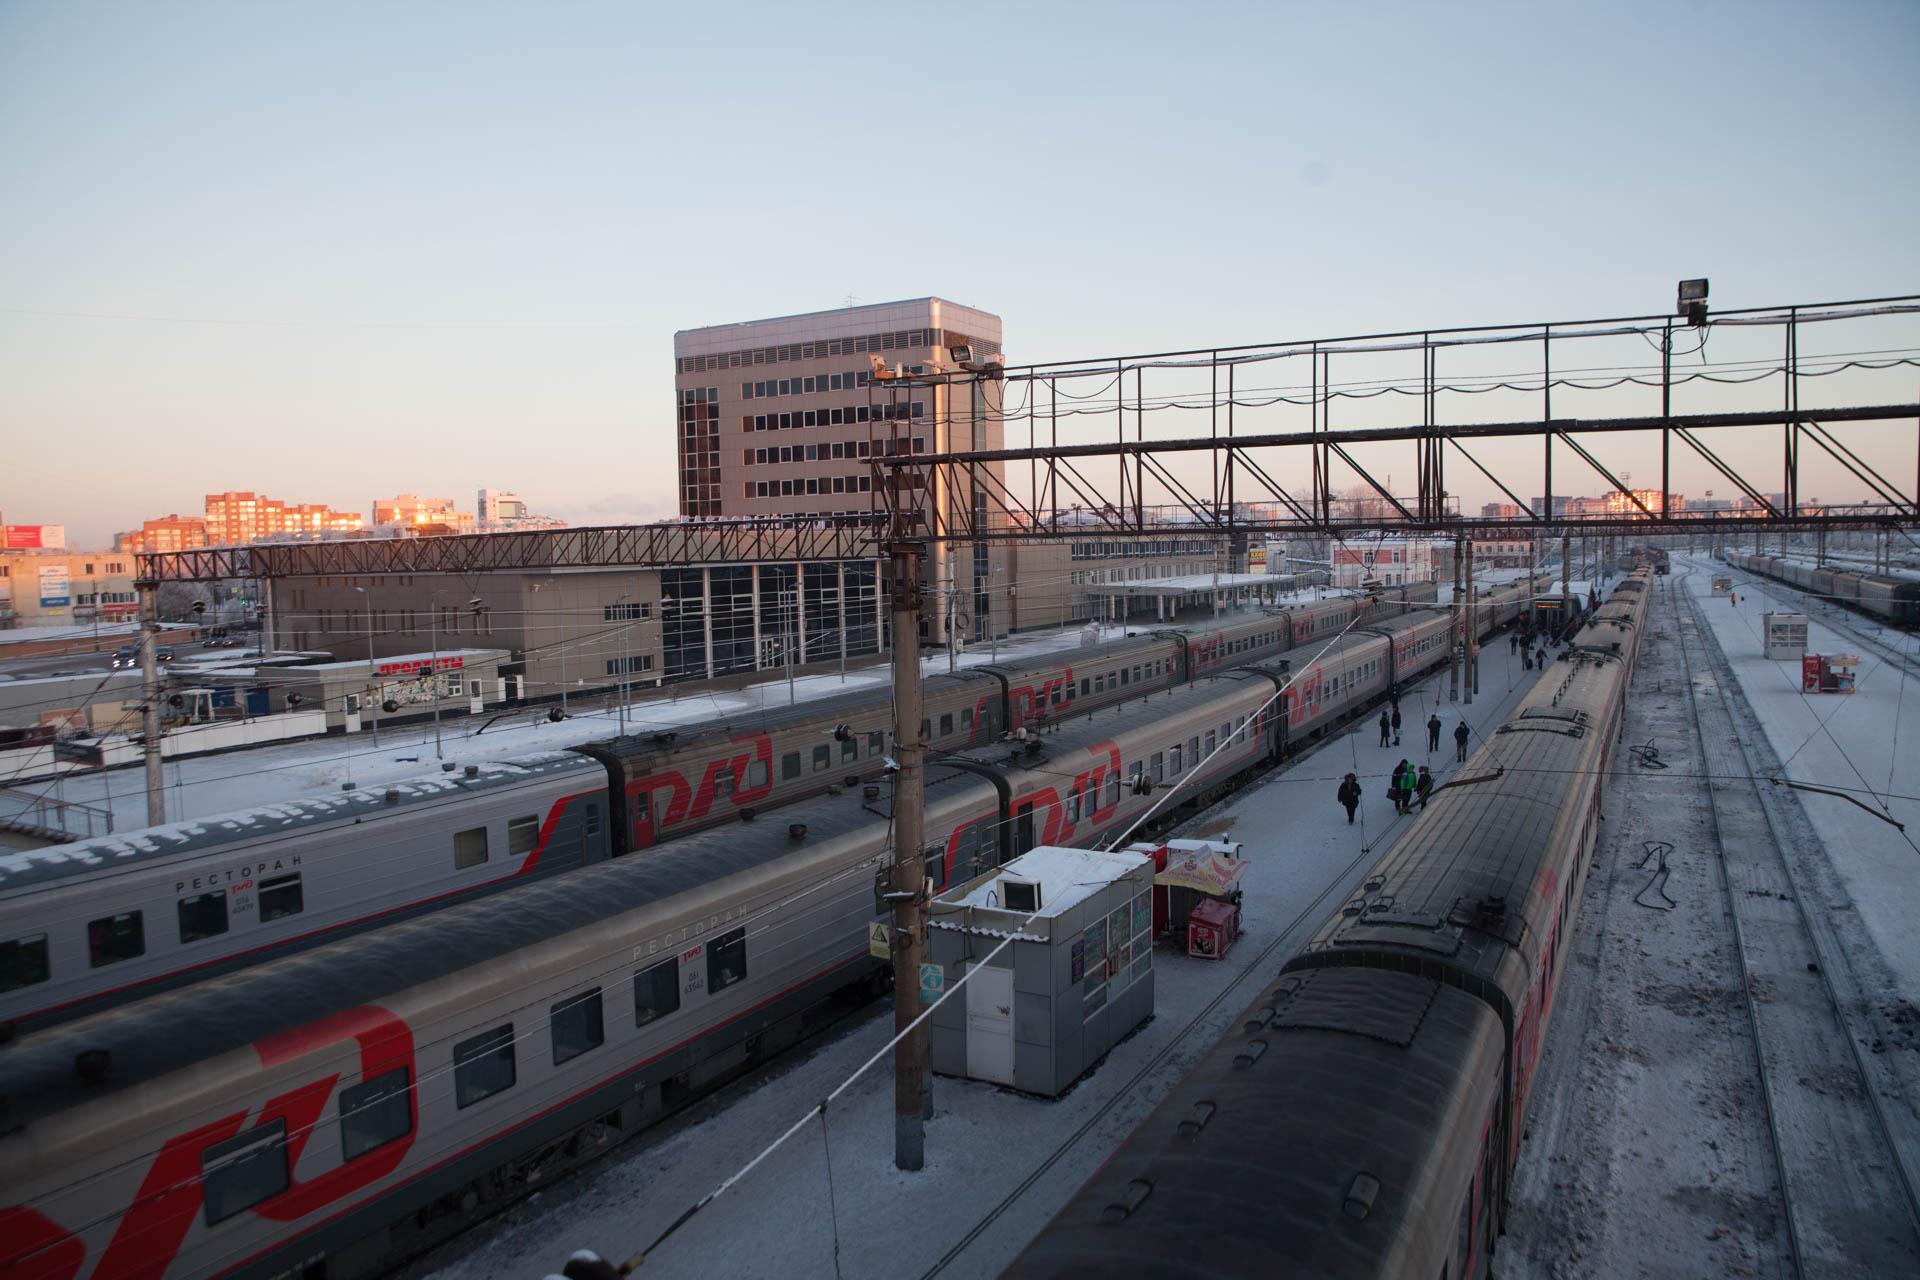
[1075, 980]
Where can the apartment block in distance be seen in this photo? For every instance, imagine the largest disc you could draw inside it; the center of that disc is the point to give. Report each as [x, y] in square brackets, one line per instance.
[413, 513]
[780, 417]
[170, 532]
[242, 516]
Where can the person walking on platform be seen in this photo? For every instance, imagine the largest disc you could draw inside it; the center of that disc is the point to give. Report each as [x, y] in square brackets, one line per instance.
[1349, 795]
[1406, 781]
[1423, 786]
[1460, 741]
[1540, 658]
[1433, 733]
[1386, 730]
[1396, 722]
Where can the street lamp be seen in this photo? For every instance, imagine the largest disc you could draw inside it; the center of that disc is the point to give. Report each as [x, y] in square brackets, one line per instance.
[373, 681]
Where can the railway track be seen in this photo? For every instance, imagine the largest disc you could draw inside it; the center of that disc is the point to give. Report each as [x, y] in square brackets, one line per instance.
[1848, 1196]
[1869, 633]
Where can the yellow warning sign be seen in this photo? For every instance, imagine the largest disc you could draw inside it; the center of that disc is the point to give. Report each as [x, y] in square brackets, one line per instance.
[877, 943]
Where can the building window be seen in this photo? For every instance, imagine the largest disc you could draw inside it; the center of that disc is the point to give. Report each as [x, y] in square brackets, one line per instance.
[483, 1066]
[375, 1112]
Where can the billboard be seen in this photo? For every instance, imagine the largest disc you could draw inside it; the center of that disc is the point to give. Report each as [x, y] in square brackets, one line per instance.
[56, 586]
[35, 537]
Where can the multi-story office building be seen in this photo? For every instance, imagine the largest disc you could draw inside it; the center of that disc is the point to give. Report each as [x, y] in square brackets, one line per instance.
[782, 417]
[244, 516]
[59, 588]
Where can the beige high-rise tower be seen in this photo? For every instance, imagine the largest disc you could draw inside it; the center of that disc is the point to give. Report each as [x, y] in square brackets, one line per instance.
[780, 417]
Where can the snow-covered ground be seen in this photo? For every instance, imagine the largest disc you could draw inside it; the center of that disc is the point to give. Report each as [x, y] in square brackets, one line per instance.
[74, 631]
[1866, 743]
[983, 1143]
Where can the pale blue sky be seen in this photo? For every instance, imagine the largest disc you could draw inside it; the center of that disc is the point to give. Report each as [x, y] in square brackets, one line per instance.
[479, 224]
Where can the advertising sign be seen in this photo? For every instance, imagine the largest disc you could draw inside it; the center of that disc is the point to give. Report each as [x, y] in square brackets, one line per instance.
[1256, 559]
[35, 537]
[56, 587]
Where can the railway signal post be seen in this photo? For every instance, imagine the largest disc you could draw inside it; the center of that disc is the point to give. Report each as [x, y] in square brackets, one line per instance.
[911, 1091]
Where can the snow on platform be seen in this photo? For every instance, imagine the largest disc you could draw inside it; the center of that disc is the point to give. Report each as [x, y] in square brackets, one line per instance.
[1866, 742]
[983, 1141]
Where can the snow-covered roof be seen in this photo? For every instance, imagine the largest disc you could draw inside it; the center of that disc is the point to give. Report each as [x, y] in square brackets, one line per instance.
[1067, 877]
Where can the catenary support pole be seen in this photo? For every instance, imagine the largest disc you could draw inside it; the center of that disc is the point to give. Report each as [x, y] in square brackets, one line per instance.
[151, 695]
[1455, 627]
[908, 891]
[1470, 649]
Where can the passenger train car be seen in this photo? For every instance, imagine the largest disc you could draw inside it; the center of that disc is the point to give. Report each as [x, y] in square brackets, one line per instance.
[335, 1111]
[1891, 597]
[96, 923]
[1362, 1117]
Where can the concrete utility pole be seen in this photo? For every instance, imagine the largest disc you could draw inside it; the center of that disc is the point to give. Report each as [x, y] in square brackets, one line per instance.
[1566, 574]
[150, 716]
[912, 1096]
[1455, 627]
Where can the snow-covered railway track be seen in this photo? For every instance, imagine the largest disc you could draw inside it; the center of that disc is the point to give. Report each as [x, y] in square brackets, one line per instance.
[1848, 1197]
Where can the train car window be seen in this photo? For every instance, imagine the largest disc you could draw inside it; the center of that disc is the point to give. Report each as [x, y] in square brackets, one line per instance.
[469, 848]
[1174, 761]
[876, 743]
[375, 1112]
[849, 751]
[935, 863]
[1086, 686]
[789, 766]
[576, 1026]
[946, 725]
[593, 815]
[821, 758]
[726, 961]
[522, 835]
[656, 992]
[239, 1173]
[23, 962]
[722, 783]
[483, 1066]
[1159, 767]
[204, 915]
[966, 718]
[1073, 806]
[756, 773]
[1059, 696]
[281, 896]
[1213, 742]
[1193, 751]
[112, 939]
[1123, 675]
[1226, 732]
[1113, 789]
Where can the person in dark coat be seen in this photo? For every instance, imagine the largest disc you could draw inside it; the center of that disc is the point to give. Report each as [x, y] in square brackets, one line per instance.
[1349, 795]
[1540, 658]
[1526, 659]
[1513, 641]
[1386, 729]
[1423, 787]
[1433, 733]
[1396, 724]
[1460, 741]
